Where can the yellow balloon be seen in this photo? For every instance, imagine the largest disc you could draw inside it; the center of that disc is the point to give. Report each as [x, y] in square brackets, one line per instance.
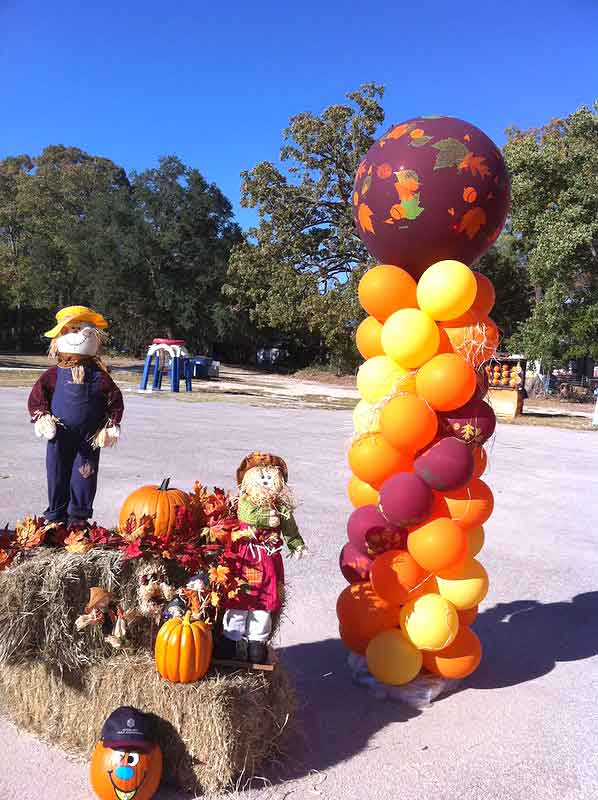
[465, 586]
[392, 658]
[380, 377]
[366, 418]
[430, 622]
[475, 540]
[410, 337]
[446, 290]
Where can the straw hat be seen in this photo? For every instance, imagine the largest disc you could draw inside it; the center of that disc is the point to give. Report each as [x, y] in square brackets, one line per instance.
[75, 314]
[261, 460]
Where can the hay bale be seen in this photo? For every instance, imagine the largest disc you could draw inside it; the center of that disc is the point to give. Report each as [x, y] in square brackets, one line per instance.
[211, 732]
[41, 597]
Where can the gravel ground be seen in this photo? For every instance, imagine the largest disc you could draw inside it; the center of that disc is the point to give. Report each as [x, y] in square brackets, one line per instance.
[524, 726]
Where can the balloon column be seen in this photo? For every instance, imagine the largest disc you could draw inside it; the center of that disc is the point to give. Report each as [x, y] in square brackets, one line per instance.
[430, 197]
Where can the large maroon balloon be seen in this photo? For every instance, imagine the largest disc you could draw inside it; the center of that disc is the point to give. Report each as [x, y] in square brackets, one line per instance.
[432, 188]
[473, 423]
[354, 565]
[405, 499]
[370, 533]
[445, 466]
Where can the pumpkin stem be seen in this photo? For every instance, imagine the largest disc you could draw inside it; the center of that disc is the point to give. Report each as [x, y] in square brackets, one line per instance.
[164, 485]
[187, 618]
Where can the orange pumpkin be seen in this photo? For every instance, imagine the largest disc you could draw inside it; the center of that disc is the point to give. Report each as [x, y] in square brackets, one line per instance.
[183, 649]
[119, 774]
[159, 502]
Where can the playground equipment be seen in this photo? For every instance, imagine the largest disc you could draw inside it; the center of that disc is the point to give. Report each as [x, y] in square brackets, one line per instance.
[171, 355]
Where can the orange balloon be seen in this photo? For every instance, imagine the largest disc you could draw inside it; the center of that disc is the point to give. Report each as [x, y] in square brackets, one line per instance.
[428, 586]
[367, 338]
[385, 289]
[408, 423]
[480, 462]
[373, 460]
[362, 494]
[394, 574]
[362, 615]
[471, 505]
[467, 617]
[485, 295]
[446, 382]
[473, 336]
[459, 659]
[438, 545]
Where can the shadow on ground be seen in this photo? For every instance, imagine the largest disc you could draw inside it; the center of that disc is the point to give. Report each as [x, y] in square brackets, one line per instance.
[523, 640]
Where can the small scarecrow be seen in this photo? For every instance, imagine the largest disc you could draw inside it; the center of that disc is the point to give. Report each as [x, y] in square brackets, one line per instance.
[103, 609]
[77, 407]
[265, 514]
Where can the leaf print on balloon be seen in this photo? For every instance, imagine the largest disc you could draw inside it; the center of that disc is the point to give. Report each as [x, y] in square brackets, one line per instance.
[407, 184]
[399, 130]
[412, 207]
[451, 153]
[355, 198]
[420, 141]
[397, 211]
[364, 217]
[365, 186]
[475, 164]
[472, 221]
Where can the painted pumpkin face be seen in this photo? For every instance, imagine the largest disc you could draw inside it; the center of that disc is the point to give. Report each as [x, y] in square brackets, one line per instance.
[125, 775]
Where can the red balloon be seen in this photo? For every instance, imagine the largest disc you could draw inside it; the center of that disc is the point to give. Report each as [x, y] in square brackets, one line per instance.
[405, 499]
[446, 465]
[431, 189]
[354, 565]
[370, 533]
[473, 423]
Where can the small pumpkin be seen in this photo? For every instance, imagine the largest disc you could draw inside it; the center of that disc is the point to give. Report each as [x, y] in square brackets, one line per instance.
[159, 502]
[122, 774]
[183, 649]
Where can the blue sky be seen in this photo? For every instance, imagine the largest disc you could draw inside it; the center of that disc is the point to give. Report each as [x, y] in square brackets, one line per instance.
[216, 83]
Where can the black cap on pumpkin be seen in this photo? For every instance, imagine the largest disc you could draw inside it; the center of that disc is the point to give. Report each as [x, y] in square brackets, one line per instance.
[127, 728]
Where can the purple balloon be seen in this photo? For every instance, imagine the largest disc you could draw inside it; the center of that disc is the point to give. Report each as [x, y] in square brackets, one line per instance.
[473, 423]
[405, 499]
[446, 465]
[432, 188]
[363, 522]
[354, 565]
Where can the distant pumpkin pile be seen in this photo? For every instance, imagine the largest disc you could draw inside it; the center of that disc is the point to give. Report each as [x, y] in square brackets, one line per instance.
[417, 455]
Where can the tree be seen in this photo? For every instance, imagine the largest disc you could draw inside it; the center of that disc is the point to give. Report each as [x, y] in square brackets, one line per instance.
[296, 270]
[554, 218]
[14, 240]
[191, 232]
[506, 268]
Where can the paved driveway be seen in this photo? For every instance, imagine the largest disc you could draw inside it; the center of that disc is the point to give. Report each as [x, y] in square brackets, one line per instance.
[523, 727]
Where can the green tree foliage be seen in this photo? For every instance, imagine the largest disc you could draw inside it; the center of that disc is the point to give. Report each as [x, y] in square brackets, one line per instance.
[151, 252]
[554, 217]
[296, 271]
[506, 268]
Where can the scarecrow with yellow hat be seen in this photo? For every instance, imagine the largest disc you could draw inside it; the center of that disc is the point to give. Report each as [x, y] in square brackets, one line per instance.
[77, 408]
[267, 524]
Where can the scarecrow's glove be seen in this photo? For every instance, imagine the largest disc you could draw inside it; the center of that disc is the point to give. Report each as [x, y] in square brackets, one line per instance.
[106, 437]
[300, 553]
[45, 427]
